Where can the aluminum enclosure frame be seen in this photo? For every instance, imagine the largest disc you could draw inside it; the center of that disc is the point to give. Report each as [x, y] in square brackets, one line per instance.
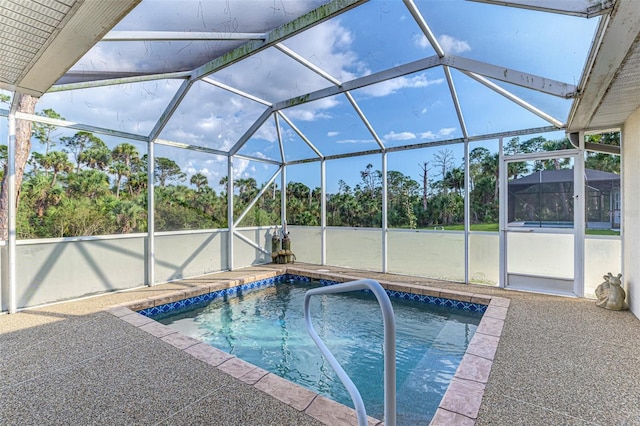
[477, 70]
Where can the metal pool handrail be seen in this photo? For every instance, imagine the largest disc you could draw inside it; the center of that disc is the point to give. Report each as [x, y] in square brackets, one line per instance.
[389, 347]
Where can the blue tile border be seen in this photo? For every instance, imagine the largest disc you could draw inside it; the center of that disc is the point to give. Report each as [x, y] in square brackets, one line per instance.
[272, 281]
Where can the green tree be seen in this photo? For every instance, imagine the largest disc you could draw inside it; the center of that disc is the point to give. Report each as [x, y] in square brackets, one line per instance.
[77, 143]
[167, 171]
[123, 156]
[57, 162]
[96, 156]
[44, 132]
[199, 180]
[88, 183]
[26, 104]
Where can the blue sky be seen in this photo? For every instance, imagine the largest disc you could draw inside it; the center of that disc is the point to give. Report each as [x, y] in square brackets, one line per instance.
[411, 109]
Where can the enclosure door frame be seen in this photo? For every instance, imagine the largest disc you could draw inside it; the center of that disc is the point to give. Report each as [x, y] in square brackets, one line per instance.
[577, 231]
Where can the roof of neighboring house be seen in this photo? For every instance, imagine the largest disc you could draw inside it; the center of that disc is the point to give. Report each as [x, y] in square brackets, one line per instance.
[564, 175]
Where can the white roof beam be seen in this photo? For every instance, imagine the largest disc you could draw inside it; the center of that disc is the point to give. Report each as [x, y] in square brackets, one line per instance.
[456, 102]
[582, 8]
[513, 98]
[79, 126]
[280, 145]
[507, 75]
[478, 138]
[190, 147]
[258, 159]
[179, 36]
[254, 128]
[304, 22]
[293, 55]
[364, 119]
[236, 91]
[367, 80]
[424, 27]
[519, 78]
[299, 133]
[122, 80]
[170, 109]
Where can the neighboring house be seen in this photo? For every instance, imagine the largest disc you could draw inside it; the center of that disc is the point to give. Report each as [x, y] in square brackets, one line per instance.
[545, 198]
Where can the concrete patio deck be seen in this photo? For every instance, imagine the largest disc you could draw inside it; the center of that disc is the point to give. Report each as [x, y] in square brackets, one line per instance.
[559, 361]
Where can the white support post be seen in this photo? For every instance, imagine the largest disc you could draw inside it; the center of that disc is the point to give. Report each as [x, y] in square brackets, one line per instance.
[467, 211]
[151, 245]
[230, 212]
[502, 225]
[283, 195]
[11, 190]
[621, 206]
[279, 133]
[385, 230]
[323, 212]
[579, 219]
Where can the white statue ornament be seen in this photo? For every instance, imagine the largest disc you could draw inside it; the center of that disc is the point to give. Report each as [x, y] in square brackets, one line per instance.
[610, 293]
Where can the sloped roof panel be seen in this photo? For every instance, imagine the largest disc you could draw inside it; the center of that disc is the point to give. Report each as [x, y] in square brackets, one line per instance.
[45, 38]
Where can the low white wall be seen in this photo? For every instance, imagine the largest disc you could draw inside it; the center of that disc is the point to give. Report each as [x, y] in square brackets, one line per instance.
[358, 248]
[4, 279]
[245, 254]
[54, 270]
[540, 254]
[484, 258]
[65, 269]
[631, 209]
[602, 254]
[191, 254]
[306, 243]
[432, 254]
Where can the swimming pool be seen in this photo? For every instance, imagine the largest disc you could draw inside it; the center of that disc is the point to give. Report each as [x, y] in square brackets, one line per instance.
[266, 328]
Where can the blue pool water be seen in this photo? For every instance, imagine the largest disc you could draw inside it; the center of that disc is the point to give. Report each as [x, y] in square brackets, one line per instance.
[266, 328]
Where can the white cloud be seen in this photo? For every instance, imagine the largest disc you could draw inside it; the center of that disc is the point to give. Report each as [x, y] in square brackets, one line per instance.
[420, 40]
[355, 141]
[453, 45]
[332, 134]
[307, 115]
[393, 86]
[402, 136]
[314, 110]
[428, 135]
[329, 46]
[448, 43]
[267, 132]
[445, 131]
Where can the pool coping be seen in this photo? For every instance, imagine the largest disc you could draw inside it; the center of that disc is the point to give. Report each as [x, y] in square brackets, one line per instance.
[460, 404]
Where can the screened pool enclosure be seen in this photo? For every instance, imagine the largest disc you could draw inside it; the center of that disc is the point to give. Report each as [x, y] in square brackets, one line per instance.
[473, 141]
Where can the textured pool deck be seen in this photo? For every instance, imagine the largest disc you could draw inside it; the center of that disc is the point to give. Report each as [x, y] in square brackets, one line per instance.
[558, 361]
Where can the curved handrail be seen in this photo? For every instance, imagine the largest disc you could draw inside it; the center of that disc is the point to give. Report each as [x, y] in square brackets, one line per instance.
[389, 347]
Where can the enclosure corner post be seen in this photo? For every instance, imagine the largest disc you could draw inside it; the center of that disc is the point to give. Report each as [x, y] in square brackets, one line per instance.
[230, 212]
[323, 212]
[151, 250]
[11, 206]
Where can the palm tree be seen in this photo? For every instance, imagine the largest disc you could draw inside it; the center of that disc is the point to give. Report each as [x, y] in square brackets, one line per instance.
[97, 156]
[78, 143]
[199, 180]
[123, 155]
[57, 162]
[120, 170]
